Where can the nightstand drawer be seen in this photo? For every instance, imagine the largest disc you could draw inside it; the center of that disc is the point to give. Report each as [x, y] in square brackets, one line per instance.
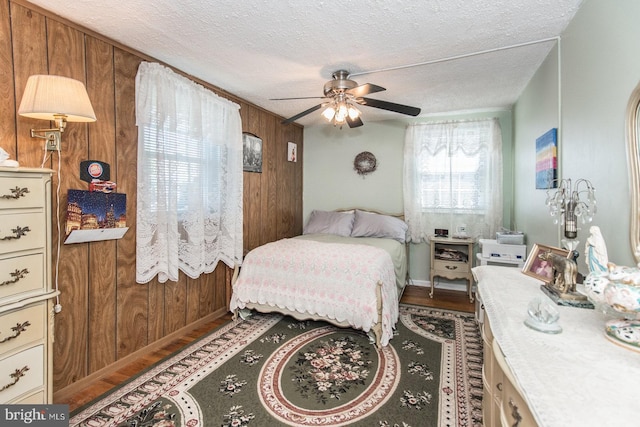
[22, 231]
[18, 192]
[21, 373]
[21, 327]
[21, 277]
[450, 266]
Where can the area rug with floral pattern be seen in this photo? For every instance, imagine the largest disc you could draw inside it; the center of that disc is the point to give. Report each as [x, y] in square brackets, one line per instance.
[272, 370]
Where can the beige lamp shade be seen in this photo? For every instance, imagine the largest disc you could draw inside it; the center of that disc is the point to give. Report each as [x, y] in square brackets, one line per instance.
[46, 96]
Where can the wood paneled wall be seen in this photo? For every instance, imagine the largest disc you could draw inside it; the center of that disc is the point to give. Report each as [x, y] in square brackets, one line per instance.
[106, 315]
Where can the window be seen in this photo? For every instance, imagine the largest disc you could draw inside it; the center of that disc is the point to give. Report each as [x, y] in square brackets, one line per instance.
[453, 176]
[189, 205]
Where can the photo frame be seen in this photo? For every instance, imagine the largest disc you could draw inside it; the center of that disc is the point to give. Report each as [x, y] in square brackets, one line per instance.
[541, 269]
[292, 152]
[251, 153]
[547, 160]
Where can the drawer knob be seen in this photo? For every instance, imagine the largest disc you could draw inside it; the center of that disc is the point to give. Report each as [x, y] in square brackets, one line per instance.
[451, 267]
[18, 232]
[17, 330]
[515, 413]
[19, 373]
[16, 193]
[15, 277]
[499, 386]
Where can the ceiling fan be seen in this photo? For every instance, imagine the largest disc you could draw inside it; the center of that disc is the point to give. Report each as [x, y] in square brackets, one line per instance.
[342, 95]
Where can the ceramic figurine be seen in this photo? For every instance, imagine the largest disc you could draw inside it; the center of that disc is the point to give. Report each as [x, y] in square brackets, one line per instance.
[596, 251]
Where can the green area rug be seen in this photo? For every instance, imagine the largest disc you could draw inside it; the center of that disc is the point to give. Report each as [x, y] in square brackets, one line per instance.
[274, 370]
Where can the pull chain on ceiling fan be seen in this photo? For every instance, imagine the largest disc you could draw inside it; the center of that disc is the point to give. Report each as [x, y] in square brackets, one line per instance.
[343, 95]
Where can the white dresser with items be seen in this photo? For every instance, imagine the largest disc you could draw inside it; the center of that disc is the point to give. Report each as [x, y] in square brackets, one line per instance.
[26, 294]
[573, 378]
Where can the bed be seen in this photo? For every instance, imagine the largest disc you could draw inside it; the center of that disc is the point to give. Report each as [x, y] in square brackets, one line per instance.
[348, 268]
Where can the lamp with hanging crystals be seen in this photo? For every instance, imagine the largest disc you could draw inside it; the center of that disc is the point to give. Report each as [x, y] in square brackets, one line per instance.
[570, 204]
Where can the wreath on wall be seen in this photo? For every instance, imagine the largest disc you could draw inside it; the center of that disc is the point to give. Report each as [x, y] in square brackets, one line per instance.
[365, 163]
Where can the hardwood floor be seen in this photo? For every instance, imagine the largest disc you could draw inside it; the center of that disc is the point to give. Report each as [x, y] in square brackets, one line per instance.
[444, 299]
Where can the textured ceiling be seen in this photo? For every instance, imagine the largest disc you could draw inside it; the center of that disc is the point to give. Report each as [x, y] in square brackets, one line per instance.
[266, 49]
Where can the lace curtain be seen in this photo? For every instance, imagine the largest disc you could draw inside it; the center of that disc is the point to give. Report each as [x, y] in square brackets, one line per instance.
[453, 177]
[189, 206]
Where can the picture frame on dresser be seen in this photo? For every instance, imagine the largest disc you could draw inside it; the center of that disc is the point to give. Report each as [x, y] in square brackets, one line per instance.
[539, 268]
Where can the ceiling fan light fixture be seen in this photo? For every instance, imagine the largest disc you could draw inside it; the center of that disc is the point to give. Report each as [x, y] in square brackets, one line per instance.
[354, 113]
[341, 112]
[329, 112]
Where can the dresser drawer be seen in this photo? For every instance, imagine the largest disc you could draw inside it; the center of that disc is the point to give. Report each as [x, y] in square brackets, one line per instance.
[18, 192]
[450, 266]
[21, 373]
[22, 231]
[36, 398]
[23, 326]
[21, 276]
[515, 410]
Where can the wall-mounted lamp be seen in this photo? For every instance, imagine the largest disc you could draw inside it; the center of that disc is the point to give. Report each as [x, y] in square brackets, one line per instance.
[56, 98]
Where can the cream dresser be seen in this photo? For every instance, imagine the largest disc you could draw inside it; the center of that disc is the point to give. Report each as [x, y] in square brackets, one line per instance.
[574, 378]
[26, 295]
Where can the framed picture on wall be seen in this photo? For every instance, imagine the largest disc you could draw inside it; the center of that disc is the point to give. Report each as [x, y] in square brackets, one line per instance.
[251, 153]
[547, 160]
[292, 152]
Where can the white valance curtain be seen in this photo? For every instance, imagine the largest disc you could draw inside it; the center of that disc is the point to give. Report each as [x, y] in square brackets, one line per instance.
[189, 205]
[453, 177]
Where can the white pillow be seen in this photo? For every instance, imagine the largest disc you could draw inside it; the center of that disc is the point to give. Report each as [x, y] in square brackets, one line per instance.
[330, 222]
[369, 224]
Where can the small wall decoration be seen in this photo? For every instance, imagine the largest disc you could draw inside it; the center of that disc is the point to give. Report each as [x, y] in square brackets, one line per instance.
[292, 152]
[365, 163]
[547, 160]
[251, 153]
[94, 215]
[94, 169]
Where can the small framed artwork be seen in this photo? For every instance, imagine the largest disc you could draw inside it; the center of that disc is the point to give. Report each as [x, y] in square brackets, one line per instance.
[251, 153]
[540, 268]
[547, 160]
[292, 152]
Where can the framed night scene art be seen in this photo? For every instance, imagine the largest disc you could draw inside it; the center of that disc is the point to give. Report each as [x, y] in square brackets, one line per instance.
[94, 215]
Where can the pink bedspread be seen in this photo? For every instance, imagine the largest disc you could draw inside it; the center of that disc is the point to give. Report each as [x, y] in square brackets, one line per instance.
[332, 280]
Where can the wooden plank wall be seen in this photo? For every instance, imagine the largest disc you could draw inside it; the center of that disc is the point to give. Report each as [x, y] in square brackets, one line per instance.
[106, 315]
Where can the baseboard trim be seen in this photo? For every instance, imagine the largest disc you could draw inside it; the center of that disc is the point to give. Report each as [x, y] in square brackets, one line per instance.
[64, 394]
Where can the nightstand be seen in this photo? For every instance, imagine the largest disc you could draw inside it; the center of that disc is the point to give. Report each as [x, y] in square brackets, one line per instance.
[452, 258]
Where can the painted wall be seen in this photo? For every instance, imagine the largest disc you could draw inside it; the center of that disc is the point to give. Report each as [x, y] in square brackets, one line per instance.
[330, 182]
[600, 67]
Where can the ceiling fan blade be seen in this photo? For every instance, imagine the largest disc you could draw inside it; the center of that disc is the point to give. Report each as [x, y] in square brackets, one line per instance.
[304, 113]
[364, 89]
[385, 105]
[304, 97]
[354, 123]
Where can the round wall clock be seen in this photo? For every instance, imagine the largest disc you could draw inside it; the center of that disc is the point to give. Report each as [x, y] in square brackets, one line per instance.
[365, 163]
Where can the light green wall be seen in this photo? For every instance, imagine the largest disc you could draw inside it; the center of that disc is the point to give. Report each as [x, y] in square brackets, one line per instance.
[330, 181]
[600, 66]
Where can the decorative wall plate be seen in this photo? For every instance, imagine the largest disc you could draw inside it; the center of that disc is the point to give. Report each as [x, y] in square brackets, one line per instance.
[365, 163]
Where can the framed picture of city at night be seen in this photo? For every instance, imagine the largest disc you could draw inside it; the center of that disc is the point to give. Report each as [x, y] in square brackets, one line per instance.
[94, 210]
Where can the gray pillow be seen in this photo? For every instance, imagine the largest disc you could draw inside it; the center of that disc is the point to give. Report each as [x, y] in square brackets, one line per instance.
[327, 222]
[368, 224]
